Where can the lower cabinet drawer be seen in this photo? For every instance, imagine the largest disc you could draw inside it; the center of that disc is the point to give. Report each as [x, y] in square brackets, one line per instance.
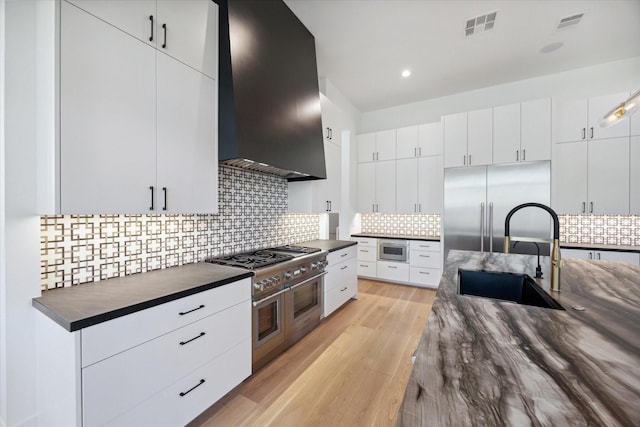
[367, 269]
[366, 253]
[425, 276]
[424, 259]
[186, 398]
[117, 384]
[339, 274]
[394, 271]
[335, 298]
[341, 255]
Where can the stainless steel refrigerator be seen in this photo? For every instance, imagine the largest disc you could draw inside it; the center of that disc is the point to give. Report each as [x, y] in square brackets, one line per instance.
[478, 198]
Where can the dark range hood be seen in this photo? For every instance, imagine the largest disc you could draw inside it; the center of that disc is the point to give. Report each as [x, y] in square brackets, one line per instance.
[269, 117]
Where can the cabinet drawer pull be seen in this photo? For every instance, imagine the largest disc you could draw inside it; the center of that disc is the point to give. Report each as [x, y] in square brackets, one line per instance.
[164, 44]
[343, 267]
[584, 133]
[364, 250]
[597, 255]
[344, 289]
[184, 393]
[164, 191]
[517, 155]
[193, 339]
[365, 266]
[152, 207]
[584, 207]
[590, 207]
[425, 256]
[524, 155]
[424, 272]
[392, 266]
[426, 247]
[343, 255]
[590, 255]
[592, 132]
[151, 19]
[182, 313]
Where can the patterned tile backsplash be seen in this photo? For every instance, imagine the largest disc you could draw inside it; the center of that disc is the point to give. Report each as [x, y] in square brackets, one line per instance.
[427, 225]
[252, 215]
[588, 229]
[600, 229]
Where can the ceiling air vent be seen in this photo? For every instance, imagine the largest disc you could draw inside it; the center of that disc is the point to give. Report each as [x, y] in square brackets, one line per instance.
[480, 24]
[570, 21]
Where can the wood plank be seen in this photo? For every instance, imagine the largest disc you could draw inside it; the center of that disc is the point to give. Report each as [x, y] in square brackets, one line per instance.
[351, 370]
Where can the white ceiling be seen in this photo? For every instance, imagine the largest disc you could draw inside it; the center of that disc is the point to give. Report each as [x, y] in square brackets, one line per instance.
[363, 45]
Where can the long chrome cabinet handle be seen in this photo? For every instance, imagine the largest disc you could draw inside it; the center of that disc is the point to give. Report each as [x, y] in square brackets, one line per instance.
[256, 303]
[491, 227]
[481, 227]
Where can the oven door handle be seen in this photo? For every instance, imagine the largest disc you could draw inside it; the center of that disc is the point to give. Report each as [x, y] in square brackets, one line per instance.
[308, 280]
[257, 303]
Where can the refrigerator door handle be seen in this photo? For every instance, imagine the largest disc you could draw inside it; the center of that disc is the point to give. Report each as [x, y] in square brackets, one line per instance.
[481, 227]
[491, 227]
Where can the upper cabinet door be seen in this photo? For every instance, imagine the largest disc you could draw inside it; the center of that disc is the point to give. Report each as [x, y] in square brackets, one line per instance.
[569, 178]
[327, 192]
[407, 142]
[506, 134]
[107, 117]
[608, 180]
[569, 120]
[367, 187]
[386, 186]
[137, 18]
[430, 184]
[480, 137]
[331, 130]
[366, 147]
[598, 107]
[430, 139]
[407, 185]
[455, 140]
[535, 130]
[187, 148]
[386, 145]
[185, 33]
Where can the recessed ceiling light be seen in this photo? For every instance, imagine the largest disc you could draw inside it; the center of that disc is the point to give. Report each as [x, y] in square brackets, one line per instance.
[551, 47]
[406, 73]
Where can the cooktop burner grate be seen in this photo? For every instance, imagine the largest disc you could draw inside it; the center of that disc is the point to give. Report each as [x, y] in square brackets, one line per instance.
[296, 249]
[251, 260]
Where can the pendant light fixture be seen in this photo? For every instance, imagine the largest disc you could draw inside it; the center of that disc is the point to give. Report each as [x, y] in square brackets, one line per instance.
[619, 112]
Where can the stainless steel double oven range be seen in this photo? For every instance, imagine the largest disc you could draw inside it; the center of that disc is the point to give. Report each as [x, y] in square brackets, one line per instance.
[287, 292]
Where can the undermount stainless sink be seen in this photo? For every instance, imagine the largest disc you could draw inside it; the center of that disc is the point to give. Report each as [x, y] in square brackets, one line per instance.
[518, 288]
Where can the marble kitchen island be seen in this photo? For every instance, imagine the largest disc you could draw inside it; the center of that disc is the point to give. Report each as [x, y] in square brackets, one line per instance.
[486, 362]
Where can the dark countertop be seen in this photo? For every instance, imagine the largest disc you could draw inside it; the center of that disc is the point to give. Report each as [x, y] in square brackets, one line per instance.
[88, 304]
[600, 247]
[328, 245]
[393, 236]
[485, 362]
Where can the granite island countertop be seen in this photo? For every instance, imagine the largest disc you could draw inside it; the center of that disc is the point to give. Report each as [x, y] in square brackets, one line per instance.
[483, 362]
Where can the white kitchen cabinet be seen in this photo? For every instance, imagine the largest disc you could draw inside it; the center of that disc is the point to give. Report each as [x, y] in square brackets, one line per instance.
[419, 185]
[367, 256]
[331, 126]
[535, 130]
[430, 139]
[591, 177]
[634, 175]
[393, 271]
[506, 134]
[326, 193]
[107, 117]
[164, 370]
[407, 142]
[341, 281]
[187, 156]
[522, 132]
[377, 186]
[600, 255]
[377, 146]
[136, 126]
[425, 263]
[577, 119]
[468, 138]
[181, 29]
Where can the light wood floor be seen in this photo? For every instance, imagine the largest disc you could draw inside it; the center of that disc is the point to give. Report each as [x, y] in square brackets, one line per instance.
[350, 371]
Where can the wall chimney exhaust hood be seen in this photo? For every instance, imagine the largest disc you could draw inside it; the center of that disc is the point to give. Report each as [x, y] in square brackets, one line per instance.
[269, 117]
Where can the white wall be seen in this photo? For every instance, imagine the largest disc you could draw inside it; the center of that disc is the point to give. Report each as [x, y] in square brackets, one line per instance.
[596, 80]
[19, 223]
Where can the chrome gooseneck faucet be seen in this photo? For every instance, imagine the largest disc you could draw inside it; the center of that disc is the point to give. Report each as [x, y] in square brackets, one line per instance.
[555, 252]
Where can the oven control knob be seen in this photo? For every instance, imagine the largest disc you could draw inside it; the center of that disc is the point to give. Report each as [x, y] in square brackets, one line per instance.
[257, 286]
[287, 275]
[314, 266]
[303, 269]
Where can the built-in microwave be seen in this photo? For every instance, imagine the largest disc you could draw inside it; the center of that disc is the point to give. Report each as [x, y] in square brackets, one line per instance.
[393, 250]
